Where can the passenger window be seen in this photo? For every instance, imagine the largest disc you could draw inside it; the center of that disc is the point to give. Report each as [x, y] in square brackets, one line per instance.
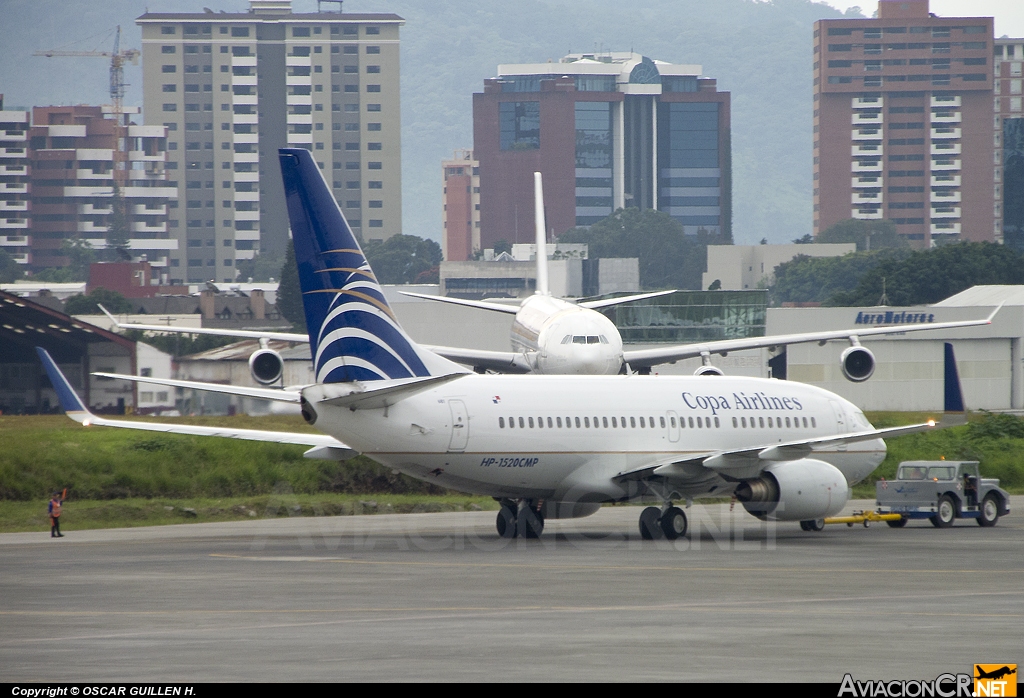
[586, 422]
[604, 422]
[577, 422]
[814, 423]
[769, 422]
[673, 419]
[700, 424]
[716, 422]
[632, 422]
[596, 423]
[558, 420]
[805, 422]
[661, 420]
[761, 421]
[734, 423]
[522, 424]
[743, 420]
[511, 422]
[530, 422]
[650, 421]
[691, 422]
[615, 423]
[540, 422]
[501, 422]
[549, 423]
[787, 422]
[642, 425]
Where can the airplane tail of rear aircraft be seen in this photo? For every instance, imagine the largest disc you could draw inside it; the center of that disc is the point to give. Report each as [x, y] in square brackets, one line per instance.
[353, 333]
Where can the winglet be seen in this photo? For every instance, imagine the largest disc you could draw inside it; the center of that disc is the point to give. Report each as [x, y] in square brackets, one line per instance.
[109, 316]
[954, 396]
[992, 316]
[69, 400]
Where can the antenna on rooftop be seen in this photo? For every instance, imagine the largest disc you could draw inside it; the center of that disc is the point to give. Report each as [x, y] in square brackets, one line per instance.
[884, 300]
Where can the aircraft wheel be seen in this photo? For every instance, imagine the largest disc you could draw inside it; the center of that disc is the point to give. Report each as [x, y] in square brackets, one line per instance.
[506, 523]
[989, 511]
[945, 513]
[899, 523]
[530, 522]
[650, 527]
[673, 523]
[813, 525]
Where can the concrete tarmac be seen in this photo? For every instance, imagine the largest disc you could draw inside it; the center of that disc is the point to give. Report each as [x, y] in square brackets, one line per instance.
[439, 597]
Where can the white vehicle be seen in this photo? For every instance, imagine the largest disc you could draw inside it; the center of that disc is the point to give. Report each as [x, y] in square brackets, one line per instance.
[545, 446]
[552, 335]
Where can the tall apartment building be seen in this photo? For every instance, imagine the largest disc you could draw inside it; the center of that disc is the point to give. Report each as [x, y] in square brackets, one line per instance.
[1009, 142]
[232, 88]
[903, 123]
[607, 131]
[14, 170]
[461, 207]
[71, 183]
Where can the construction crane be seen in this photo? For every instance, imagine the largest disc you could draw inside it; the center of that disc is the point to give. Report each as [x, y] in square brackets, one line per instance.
[117, 60]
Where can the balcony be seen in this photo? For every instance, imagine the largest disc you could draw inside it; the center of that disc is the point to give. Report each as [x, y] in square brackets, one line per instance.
[868, 134]
[301, 61]
[298, 99]
[873, 149]
[245, 119]
[955, 213]
[145, 210]
[954, 118]
[247, 196]
[251, 100]
[872, 182]
[97, 154]
[144, 227]
[93, 210]
[861, 119]
[941, 150]
[945, 197]
[858, 167]
[945, 180]
[244, 254]
[146, 131]
[14, 240]
[868, 102]
[247, 176]
[857, 198]
[945, 228]
[13, 153]
[6, 206]
[300, 118]
[866, 215]
[246, 138]
[67, 131]
[89, 174]
[246, 157]
[143, 156]
[297, 138]
[247, 216]
[246, 235]
[244, 61]
[19, 170]
[13, 188]
[292, 80]
[950, 167]
[945, 101]
[14, 135]
[945, 132]
[90, 227]
[153, 244]
[243, 80]
[13, 224]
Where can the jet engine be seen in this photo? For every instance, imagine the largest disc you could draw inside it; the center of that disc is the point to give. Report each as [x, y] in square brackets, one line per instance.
[266, 366]
[709, 371]
[797, 490]
[858, 363]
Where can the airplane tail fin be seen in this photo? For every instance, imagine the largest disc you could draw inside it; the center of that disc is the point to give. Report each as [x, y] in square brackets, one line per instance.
[541, 235]
[66, 395]
[955, 412]
[353, 333]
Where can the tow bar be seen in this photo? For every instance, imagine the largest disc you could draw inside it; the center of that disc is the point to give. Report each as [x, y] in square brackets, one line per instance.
[862, 517]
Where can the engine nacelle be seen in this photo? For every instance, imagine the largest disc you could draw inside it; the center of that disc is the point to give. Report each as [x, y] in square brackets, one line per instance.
[266, 366]
[709, 371]
[858, 363]
[797, 490]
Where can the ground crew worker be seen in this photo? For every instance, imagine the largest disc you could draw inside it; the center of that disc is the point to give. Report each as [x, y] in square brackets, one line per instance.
[54, 509]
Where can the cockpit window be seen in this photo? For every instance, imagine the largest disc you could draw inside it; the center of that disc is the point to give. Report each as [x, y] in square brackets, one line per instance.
[593, 339]
[579, 339]
[566, 339]
[604, 340]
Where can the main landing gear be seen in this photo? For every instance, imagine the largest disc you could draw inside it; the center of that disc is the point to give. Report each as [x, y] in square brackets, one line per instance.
[520, 519]
[667, 522]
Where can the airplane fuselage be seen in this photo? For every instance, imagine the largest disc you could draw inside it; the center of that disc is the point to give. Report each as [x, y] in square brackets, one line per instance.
[566, 438]
[566, 339]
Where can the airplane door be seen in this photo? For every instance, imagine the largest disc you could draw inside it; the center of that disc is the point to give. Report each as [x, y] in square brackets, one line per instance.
[460, 426]
[673, 426]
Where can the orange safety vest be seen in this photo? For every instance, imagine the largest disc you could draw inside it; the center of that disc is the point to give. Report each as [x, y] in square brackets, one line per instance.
[54, 508]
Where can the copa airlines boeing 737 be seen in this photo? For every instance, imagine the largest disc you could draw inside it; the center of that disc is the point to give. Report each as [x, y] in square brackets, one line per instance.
[552, 335]
[544, 446]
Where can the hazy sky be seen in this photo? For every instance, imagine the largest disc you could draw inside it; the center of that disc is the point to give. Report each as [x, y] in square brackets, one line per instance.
[1009, 14]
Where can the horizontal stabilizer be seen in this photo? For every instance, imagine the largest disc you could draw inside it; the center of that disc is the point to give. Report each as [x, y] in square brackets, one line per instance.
[261, 393]
[373, 394]
[482, 305]
[241, 334]
[594, 305]
[497, 361]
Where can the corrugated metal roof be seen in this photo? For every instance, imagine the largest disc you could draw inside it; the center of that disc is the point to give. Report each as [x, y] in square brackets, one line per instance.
[981, 296]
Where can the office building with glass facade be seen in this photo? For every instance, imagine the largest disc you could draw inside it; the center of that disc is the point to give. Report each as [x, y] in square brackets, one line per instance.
[608, 131]
[1009, 141]
[233, 87]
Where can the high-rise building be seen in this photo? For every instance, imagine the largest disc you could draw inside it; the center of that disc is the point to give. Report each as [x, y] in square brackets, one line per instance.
[903, 123]
[232, 88]
[14, 197]
[1009, 142]
[461, 206]
[607, 130]
[72, 162]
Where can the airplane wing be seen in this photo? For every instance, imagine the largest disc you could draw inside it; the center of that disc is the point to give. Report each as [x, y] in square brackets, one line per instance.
[483, 305]
[594, 305]
[644, 358]
[261, 393]
[748, 462]
[498, 361]
[323, 446]
[247, 334]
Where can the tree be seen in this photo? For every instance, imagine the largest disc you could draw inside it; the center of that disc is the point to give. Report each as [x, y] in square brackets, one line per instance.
[262, 267]
[118, 249]
[289, 293]
[87, 305]
[868, 235]
[401, 258]
[807, 239]
[929, 276]
[668, 257]
[9, 269]
[806, 279]
[502, 246]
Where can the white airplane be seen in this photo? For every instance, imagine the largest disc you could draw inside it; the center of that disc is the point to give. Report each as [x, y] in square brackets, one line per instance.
[544, 446]
[551, 335]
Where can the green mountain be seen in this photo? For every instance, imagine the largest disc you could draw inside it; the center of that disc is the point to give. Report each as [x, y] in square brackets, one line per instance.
[758, 51]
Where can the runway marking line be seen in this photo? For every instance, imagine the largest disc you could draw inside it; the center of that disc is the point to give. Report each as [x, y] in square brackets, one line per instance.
[649, 568]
